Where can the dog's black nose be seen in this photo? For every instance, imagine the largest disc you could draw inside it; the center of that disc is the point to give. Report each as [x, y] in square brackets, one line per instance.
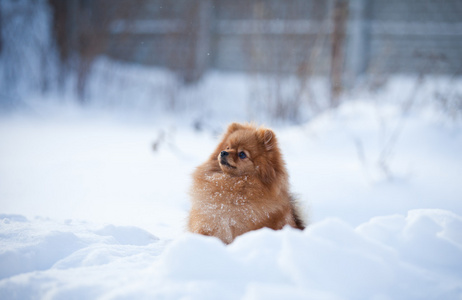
[224, 153]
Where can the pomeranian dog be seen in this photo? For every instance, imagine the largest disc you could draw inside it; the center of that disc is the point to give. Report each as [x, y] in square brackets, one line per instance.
[243, 186]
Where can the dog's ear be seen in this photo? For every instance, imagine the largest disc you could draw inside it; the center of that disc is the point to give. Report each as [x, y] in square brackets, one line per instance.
[267, 137]
[266, 169]
[233, 127]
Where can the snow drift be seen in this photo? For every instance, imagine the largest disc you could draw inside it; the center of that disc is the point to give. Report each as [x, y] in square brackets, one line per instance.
[111, 212]
[417, 256]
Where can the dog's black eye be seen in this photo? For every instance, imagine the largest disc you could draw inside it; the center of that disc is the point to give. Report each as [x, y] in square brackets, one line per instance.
[242, 155]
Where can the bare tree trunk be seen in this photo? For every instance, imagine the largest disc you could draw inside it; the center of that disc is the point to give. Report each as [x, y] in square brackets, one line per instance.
[339, 18]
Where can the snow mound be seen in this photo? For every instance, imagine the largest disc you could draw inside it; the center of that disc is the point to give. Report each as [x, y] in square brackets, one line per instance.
[128, 235]
[418, 256]
[38, 245]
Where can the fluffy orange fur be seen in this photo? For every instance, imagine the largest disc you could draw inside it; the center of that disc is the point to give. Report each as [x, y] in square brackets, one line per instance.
[243, 186]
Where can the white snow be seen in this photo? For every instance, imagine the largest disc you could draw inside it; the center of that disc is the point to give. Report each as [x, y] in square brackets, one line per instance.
[93, 201]
[89, 210]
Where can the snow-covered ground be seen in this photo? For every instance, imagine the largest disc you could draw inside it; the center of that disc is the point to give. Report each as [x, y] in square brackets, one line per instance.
[93, 201]
[94, 206]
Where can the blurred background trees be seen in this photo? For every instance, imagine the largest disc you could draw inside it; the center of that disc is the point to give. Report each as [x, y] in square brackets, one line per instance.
[283, 45]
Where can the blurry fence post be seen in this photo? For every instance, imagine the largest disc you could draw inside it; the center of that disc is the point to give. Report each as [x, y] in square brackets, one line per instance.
[339, 23]
[357, 52]
[1, 34]
[203, 38]
[72, 41]
[200, 42]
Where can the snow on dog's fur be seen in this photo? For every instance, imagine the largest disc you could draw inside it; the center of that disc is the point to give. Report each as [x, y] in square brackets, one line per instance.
[243, 186]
